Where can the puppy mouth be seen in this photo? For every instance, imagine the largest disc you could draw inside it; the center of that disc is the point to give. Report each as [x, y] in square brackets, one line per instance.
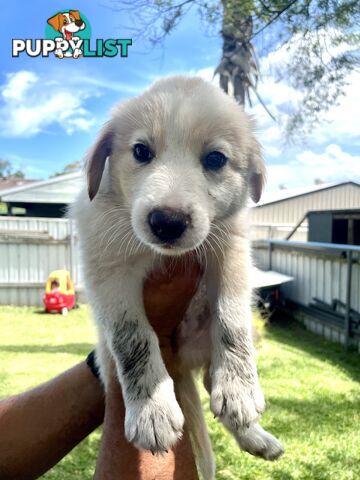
[173, 248]
[170, 249]
[68, 35]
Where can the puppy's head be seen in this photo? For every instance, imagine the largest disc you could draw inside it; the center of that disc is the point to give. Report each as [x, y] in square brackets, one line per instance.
[67, 23]
[182, 157]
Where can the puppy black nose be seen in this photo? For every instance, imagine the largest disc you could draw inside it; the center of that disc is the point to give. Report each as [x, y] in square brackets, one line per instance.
[79, 23]
[167, 224]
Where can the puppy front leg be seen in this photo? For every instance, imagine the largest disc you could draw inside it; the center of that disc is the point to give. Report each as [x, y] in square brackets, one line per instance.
[236, 396]
[254, 439]
[153, 418]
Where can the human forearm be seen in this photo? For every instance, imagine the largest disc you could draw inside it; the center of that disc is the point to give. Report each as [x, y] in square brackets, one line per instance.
[39, 427]
[120, 459]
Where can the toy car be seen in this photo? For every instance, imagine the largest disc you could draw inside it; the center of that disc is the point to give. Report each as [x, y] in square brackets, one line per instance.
[59, 293]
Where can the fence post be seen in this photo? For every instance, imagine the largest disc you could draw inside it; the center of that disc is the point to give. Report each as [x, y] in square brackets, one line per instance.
[71, 245]
[270, 254]
[348, 298]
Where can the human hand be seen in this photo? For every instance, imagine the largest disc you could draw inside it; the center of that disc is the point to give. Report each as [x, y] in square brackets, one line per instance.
[167, 295]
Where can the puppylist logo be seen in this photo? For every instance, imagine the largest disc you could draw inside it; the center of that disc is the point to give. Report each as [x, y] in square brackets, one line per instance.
[68, 35]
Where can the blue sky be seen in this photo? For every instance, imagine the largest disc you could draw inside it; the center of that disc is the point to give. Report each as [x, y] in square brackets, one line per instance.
[51, 109]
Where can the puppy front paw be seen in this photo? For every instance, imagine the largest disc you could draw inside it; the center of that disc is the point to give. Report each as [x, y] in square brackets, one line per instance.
[77, 53]
[155, 423]
[238, 405]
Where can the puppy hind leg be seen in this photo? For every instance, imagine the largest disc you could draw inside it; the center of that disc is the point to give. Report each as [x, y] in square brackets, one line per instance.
[190, 404]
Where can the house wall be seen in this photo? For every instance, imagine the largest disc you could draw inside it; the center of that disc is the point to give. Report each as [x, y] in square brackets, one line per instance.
[47, 210]
[61, 189]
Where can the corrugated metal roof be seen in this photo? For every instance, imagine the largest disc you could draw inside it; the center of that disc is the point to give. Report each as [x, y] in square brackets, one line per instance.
[280, 195]
[8, 183]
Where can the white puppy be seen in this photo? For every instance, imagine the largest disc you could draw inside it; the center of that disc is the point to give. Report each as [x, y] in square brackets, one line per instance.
[171, 173]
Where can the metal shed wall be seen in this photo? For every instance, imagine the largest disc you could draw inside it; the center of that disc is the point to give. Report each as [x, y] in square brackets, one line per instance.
[315, 275]
[291, 210]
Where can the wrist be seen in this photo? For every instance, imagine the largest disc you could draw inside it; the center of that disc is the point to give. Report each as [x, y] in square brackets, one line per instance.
[91, 363]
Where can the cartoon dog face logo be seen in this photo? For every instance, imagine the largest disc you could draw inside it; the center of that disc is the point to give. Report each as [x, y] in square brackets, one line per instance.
[67, 24]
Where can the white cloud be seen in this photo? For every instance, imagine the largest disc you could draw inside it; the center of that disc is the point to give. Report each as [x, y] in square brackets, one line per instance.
[79, 123]
[206, 73]
[32, 104]
[341, 122]
[332, 164]
[17, 84]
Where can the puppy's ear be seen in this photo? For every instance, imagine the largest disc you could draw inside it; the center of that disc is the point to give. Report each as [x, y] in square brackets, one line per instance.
[75, 14]
[56, 21]
[257, 174]
[96, 159]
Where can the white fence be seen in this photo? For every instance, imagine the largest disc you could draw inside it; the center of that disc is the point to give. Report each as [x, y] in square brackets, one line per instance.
[30, 248]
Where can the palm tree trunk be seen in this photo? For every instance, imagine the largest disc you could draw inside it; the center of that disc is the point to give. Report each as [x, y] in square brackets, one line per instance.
[238, 67]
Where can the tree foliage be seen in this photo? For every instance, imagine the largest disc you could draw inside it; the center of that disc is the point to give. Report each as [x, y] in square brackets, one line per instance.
[321, 37]
[8, 171]
[69, 168]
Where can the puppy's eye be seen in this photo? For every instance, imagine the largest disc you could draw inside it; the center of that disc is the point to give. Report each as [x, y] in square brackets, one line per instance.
[142, 153]
[66, 21]
[213, 161]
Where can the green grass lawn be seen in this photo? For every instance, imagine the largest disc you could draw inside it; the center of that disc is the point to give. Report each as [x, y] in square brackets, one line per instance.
[311, 386]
